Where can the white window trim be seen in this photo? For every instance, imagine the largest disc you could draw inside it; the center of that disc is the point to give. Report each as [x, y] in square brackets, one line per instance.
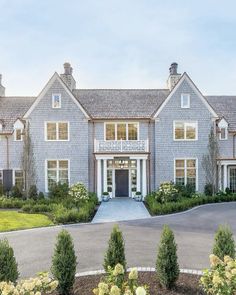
[182, 105]
[226, 133]
[21, 138]
[121, 122]
[46, 171]
[57, 131]
[185, 167]
[185, 122]
[14, 177]
[58, 94]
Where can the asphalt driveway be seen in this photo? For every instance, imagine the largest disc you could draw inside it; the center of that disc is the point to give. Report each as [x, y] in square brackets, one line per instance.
[194, 231]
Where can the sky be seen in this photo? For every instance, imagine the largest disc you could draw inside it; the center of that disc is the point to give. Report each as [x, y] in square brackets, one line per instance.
[118, 44]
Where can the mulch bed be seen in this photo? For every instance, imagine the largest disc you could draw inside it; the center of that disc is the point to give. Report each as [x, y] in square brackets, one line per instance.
[187, 284]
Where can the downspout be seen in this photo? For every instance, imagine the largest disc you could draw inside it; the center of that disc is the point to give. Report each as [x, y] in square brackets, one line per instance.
[149, 157]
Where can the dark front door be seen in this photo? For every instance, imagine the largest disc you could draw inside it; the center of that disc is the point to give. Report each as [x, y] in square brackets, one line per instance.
[122, 183]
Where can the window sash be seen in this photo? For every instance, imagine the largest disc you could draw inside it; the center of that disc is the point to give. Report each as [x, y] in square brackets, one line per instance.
[185, 101]
[223, 133]
[19, 180]
[121, 131]
[18, 134]
[56, 101]
[57, 171]
[57, 131]
[185, 130]
[186, 174]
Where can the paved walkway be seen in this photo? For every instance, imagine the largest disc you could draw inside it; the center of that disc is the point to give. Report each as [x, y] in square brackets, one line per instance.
[120, 209]
[194, 232]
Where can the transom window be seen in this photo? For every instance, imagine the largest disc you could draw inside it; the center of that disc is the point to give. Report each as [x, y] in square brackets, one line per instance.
[18, 134]
[57, 171]
[19, 179]
[185, 130]
[121, 131]
[185, 171]
[185, 101]
[57, 131]
[56, 101]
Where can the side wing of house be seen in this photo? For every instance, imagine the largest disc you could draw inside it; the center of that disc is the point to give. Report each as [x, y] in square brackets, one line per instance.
[59, 134]
[182, 126]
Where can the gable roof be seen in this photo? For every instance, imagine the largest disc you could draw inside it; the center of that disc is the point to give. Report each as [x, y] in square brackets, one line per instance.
[225, 106]
[121, 103]
[186, 77]
[47, 87]
[11, 108]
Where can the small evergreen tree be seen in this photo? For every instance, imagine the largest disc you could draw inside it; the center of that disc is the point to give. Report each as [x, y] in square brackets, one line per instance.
[8, 265]
[224, 242]
[116, 250]
[64, 262]
[167, 265]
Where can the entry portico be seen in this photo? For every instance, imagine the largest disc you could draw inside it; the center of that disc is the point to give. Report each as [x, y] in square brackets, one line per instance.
[227, 174]
[121, 175]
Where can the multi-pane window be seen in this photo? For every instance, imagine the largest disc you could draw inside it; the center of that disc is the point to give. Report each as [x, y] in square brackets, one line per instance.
[19, 179]
[185, 130]
[185, 171]
[56, 101]
[57, 131]
[18, 134]
[121, 131]
[185, 101]
[57, 171]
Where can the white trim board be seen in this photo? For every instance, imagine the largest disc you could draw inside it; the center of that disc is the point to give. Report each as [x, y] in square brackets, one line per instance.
[47, 87]
[195, 89]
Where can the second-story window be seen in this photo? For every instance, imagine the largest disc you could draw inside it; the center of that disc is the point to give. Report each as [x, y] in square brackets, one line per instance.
[18, 134]
[121, 131]
[185, 130]
[56, 101]
[57, 131]
[223, 133]
[185, 101]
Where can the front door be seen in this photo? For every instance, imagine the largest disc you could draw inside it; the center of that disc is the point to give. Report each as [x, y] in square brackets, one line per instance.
[232, 179]
[122, 183]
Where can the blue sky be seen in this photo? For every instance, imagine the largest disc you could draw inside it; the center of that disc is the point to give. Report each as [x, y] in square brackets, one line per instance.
[118, 44]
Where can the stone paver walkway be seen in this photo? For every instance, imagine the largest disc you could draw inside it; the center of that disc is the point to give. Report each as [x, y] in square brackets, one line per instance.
[120, 209]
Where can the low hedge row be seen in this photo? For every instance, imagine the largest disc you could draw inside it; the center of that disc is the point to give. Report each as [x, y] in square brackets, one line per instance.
[183, 204]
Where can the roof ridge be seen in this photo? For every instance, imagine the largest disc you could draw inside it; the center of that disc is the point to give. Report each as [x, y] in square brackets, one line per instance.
[122, 89]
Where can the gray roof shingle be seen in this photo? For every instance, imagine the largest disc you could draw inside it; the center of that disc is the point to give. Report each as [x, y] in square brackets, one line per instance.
[12, 108]
[121, 103]
[225, 106]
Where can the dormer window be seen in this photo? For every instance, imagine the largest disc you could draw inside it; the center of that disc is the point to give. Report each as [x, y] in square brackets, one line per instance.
[18, 134]
[185, 101]
[223, 133]
[56, 101]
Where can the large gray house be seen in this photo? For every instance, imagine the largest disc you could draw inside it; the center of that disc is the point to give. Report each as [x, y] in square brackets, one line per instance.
[117, 140]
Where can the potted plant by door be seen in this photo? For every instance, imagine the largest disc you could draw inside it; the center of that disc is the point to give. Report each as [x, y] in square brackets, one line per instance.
[133, 192]
[105, 196]
[138, 196]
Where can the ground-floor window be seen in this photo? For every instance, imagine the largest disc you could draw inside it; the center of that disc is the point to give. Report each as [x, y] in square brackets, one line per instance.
[19, 179]
[57, 171]
[185, 171]
[232, 179]
[1, 177]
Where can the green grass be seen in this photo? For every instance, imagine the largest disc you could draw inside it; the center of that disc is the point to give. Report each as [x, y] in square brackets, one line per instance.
[13, 220]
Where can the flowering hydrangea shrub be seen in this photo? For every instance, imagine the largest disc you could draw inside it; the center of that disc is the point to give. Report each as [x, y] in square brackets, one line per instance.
[115, 284]
[220, 279]
[167, 192]
[79, 192]
[42, 284]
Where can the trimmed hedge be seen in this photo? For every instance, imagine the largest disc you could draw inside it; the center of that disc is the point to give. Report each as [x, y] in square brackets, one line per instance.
[183, 204]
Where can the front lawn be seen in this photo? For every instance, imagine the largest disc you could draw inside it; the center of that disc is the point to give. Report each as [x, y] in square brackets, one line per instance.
[13, 220]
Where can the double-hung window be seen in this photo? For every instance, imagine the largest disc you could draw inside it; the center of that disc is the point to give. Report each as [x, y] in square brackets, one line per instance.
[185, 101]
[186, 172]
[121, 131]
[19, 179]
[57, 131]
[18, 134]
[185, 130]
[56, 101]
[223, 133]
[57, 171]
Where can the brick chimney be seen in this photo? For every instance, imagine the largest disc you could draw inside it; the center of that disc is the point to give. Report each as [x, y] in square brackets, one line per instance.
[67, 77]
[174, 76]
[2, 88]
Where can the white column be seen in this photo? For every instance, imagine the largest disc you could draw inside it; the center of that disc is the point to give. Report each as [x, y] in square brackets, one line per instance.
[144, 179]
[138, 176]
[99, 179]
[225, 177]
[105, 175]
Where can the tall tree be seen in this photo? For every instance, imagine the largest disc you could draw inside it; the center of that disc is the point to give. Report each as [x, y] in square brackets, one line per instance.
[209, 161]
[28, 160]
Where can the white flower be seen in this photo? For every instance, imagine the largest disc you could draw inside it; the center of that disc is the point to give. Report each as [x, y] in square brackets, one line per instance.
[140, 291]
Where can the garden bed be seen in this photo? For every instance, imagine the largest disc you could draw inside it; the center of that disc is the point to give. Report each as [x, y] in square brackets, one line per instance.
[186, 285]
